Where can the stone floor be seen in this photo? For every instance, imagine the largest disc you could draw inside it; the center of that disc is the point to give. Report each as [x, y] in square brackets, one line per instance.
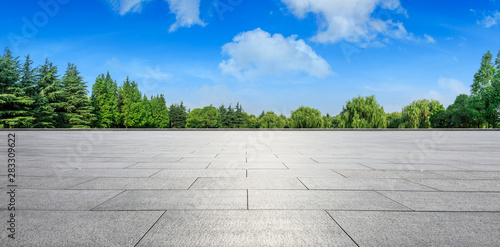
[254, 188]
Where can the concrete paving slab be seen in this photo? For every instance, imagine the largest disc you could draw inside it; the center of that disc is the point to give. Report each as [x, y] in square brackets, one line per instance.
[30, 199]
[420, 228]
[469, 174]
[199, 165]
[207, 173]
[80, 228]
[446, 201]
[261, 173]
[412, 167]
[362, 184]
[177, 199]
[123, 173]
[45, 183]
[136, 184]
[39, 172]
[388, 174]
[246, 228]
[225, 165]
[326, 166]
[320, 199]
[248, 183]
[460, 185]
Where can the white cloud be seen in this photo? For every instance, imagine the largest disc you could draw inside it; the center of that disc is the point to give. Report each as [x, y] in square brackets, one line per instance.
[125, 6]
[257, 53]
[354, 20]
[187, 13]
[454, 85]
[490, 20]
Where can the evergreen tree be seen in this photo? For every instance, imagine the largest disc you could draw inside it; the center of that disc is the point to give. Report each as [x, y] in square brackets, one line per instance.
[159, 113]
[224, 123]
[132, 109]
[55, 97]
[14, 104]
[178, 115]
[79, 110]
[105, 102]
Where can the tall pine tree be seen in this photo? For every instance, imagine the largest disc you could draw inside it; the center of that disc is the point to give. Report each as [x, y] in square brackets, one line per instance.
[79, 111]
[105, 102]
[14, 104]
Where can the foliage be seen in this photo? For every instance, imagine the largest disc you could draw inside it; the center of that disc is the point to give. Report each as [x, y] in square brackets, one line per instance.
[105, 102]
[208, 117]
[78, 110]
[306, 117]
[363, 112]
[272, 121]
[178, 115]
[419, 113]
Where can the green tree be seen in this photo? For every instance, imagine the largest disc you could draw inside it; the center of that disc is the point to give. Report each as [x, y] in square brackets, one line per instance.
[79, 110]
[105, 102]
[132, 109]
[271, 121]
[53, 97]
[208, 117]
[419, 113]
[178, 115]
[14, 104]
[159, 117]
[306, 117]
[485, 92]
[457, 115]
[363, 112]
[394, 119]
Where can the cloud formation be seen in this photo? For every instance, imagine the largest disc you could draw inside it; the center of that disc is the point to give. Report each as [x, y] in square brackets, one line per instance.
[187, 12]
[258, 53]
[453, 85]
[354, 20]
[490, 20]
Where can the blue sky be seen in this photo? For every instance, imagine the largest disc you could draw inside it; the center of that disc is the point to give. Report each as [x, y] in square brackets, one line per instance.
[266, 54]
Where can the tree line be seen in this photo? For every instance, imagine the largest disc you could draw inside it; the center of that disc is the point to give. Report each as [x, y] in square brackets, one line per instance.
[38, 97]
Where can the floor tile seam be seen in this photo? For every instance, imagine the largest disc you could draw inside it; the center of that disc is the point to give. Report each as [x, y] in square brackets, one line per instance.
[144, 235]
[99, 204]
[399, 203]
[348, 235]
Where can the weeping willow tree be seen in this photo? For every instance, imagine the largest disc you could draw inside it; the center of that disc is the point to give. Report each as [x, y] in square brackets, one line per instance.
[363, 112]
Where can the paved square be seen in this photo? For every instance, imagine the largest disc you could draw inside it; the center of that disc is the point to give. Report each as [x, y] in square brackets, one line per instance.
[254, 188]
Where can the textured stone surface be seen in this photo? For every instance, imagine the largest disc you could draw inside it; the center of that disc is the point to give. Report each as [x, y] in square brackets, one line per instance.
[246, 228]
[420, 228]
[248, 188]
[80, 228]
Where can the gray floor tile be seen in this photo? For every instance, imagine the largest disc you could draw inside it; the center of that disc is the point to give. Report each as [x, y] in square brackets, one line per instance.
[80, 228]
[320, 199]
[361, 184]
[246, 228]
[420, 228]
[136, 184]
[261, 173]
[447, 201]
[177, 199]
[247, 183]
[62, 199]
[215, 173]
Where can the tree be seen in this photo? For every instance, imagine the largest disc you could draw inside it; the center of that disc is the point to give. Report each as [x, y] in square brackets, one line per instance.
[419, 113]
[394, 119]
[159, 117]
[79, 110]
[105, 102]
[14, 104]
[178, 115]
[56, 97]
[306, 117]
[363, 112]
[208, 117]
[132, 108]
[271, 121]
[485, 93]
[457, 115]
